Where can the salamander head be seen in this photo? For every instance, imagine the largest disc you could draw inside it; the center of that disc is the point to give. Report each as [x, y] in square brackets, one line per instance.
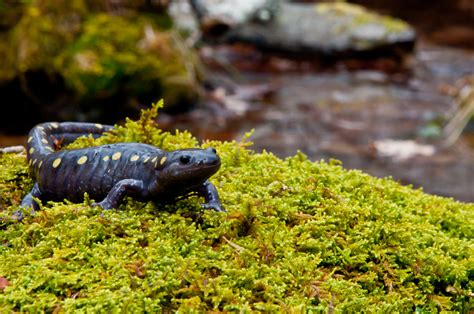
[189, 167]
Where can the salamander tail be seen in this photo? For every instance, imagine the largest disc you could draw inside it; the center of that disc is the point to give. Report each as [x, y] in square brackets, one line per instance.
[43, 138]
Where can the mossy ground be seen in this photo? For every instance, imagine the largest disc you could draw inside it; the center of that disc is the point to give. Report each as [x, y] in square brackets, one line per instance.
[298, 236]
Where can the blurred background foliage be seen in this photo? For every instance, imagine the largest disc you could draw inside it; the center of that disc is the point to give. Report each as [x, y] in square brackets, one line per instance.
[87, 54]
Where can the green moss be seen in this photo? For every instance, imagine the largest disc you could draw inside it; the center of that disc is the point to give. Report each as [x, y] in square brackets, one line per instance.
[14, 180]
[42, 32]
[362, 16]
[298, 236]
[115, 52]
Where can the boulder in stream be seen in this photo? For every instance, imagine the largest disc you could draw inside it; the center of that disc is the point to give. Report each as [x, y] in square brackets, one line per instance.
[332, 29]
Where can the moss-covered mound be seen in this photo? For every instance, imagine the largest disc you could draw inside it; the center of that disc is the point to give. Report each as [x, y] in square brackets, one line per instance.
[298, 236]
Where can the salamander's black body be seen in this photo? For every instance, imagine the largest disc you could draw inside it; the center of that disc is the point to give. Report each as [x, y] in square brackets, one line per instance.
[108, 173]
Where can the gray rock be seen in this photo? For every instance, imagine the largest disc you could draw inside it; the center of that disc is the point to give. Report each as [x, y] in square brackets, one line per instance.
[328, 29]
[235, 12]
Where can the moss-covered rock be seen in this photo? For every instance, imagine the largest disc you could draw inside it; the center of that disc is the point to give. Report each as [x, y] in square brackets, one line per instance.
[114, 53]
[91, 58]
[298, 236]
[39, 36]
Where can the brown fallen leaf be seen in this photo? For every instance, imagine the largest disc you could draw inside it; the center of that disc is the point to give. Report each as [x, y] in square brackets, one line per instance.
[4, 283]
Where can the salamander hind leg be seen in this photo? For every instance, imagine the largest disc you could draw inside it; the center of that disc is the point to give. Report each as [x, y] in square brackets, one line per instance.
[29, 202]
[126, 187]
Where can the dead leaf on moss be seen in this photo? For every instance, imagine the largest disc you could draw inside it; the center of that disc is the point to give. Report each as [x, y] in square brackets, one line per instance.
[4, 283]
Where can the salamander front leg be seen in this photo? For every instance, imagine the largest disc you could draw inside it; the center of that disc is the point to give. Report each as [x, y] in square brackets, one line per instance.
[28, 202]
[126, 187]
[209, 192]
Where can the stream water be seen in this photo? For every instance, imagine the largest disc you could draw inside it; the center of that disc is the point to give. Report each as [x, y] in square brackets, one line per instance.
[342, 114]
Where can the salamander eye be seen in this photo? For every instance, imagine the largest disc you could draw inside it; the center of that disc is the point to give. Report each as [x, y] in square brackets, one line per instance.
[213, 150]
[185, 159]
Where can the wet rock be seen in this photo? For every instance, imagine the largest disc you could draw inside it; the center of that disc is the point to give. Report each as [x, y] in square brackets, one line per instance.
[324, 29]
[402, 150]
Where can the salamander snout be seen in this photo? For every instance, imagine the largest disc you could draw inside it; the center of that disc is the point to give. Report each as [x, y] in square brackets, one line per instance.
[190, 165]
[208, 157]
[210, 161]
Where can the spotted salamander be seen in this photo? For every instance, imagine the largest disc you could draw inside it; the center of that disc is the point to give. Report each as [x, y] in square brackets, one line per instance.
[108, 173]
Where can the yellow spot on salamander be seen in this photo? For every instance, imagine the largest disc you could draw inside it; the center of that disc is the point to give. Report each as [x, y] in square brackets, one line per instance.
[82, 160]
[98, 125]
[146, 159]
[33, 162]
[32, 150]
[106, 158]
[134, 158]
[116, 156]
[56, 162]
[162, 160]
[40, 164]
[45, 141]
[40, 128]
[54, 125]
[30, 139]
